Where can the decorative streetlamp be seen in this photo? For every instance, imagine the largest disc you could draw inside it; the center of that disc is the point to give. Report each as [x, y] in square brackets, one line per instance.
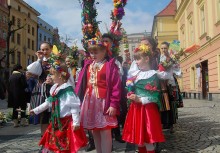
[8, 43]
[9, 33]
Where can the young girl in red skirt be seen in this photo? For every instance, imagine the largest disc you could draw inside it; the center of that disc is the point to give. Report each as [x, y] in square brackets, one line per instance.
[143, 124]
[64, 133]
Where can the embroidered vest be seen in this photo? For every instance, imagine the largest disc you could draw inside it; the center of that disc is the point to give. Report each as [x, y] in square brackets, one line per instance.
[99, 85]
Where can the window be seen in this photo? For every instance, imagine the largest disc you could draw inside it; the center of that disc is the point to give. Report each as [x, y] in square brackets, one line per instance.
[13, 20]
[182, 29]
[13, 37]
[32, 31]
[33, 45]
[18, 57]
[19, 22]
[191, 31]
[29, 14]
[19, 8]
[33, 59]
[40, 37]
[29, 43]
[29, 29]
[13, 58]
[45, 38]
[18, 39]
[202, 19]
[28, 59]
[192, 78]
[48, 40]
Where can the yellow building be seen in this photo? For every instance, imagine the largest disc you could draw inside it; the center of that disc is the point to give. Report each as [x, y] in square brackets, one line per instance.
[164, 26]
[24, 40]
[198, 24]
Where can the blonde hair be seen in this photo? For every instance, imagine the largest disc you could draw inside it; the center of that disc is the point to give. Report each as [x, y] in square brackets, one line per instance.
[64, 72]
[96, 47]
[142, 51]
[138, 55]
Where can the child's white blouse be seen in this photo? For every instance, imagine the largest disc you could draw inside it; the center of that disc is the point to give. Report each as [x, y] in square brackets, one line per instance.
[69, 104]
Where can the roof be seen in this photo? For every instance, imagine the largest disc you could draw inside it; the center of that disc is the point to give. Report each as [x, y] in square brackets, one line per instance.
[169, 10]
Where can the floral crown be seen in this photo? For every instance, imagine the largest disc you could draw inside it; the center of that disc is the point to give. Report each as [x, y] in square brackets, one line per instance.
[143, 48]
[95, 41]
[56, 59]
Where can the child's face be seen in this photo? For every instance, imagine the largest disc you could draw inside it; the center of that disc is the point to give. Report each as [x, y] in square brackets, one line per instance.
[67, 61]
[107, 42]
[164, 49]
[56, 77]
[49, 80]
[98, 54]
[142, 63]
[46, 49]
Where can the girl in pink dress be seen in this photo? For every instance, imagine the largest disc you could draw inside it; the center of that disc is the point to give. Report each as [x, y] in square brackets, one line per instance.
[99, 87]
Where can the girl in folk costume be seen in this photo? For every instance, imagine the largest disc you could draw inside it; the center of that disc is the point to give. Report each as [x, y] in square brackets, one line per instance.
[143, 125]
[64, 133]
[70, 64]
[173, 98]
[37, 96]
[99, 87]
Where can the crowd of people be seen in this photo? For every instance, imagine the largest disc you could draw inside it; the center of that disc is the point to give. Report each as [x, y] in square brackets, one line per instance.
[101, 98]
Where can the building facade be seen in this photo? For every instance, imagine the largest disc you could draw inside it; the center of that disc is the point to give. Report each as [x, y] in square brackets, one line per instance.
[133, 40]
[164, 25]
[198, 23]
[45, 32]
[3, 31]
[23, 41]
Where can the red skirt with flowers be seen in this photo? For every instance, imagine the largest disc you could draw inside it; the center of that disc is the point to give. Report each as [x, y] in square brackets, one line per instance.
[65, 141]
[143, 124]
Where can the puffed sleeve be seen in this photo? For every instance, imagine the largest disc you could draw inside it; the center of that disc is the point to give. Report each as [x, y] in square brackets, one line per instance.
[41, 108]
[164, 75]
[74, 103]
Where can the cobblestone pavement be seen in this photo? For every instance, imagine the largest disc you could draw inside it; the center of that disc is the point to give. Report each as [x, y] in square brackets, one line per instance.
[197, 131]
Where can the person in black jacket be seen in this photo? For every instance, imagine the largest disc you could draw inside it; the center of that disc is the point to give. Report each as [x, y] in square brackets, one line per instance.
[2, 89]
[17, 94]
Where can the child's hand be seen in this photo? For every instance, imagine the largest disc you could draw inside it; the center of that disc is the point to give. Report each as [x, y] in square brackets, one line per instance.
[76, 127]
[32, 112]
[134, 98]
[111, 111]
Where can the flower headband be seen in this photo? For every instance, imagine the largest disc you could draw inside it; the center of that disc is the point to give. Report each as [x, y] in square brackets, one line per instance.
[144, 49]
[56, 60]
[95, 41]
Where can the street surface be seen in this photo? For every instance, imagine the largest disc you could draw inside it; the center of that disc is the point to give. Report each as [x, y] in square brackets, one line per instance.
[197, 131]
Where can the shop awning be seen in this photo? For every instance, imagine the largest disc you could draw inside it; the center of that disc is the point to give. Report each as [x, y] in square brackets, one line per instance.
[192, 48]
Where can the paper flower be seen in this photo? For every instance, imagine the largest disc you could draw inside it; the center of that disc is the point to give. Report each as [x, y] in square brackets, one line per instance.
[150, 87]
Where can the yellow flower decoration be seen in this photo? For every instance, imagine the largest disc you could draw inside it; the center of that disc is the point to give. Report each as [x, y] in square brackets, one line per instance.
[55, 50]
[144, 48]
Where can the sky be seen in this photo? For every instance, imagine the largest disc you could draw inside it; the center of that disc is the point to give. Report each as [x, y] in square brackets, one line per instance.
[66, 15]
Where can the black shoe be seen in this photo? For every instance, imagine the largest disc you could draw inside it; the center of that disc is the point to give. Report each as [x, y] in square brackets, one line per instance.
[118, 138]
[90, 147]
